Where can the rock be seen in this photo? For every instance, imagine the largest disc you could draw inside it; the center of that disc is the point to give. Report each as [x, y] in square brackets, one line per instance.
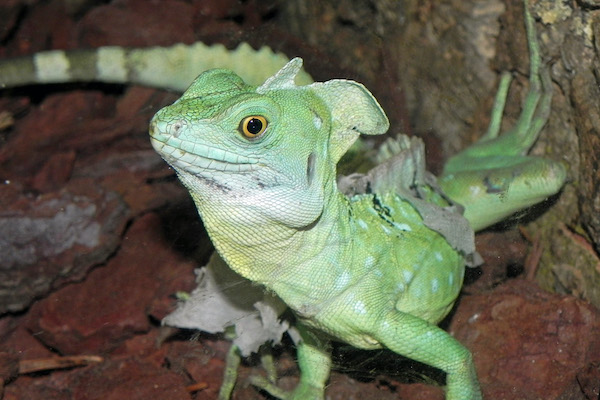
[52, 239]
[527, 343]
[115, 301]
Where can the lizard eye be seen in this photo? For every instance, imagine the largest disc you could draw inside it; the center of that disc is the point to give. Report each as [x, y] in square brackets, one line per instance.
[253, 126]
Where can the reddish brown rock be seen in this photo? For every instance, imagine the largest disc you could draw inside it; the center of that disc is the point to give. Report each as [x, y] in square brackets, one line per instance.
[503, 254]
[73, 132]
[46, 24]
[527, 343]
[116, 379]
[9, 368]
[129, 379]
[20, 342]
[164, 23]
[115, 301]
[588, 383]
[55, 173]
[48, 240]
[37, 135]
[200, 362]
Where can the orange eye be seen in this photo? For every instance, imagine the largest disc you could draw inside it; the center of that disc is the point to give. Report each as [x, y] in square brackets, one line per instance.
[253, 126]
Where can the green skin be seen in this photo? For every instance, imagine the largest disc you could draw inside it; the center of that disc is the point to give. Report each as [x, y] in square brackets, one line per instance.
[364, 270]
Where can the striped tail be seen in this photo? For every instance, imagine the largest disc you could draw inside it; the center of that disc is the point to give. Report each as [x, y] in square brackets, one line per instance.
[171, 68]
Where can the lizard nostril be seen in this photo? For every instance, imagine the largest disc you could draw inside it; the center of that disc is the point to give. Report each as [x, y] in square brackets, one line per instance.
[176, 128]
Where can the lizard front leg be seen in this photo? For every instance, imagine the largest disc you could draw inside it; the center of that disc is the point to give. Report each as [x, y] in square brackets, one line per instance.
[314, 361]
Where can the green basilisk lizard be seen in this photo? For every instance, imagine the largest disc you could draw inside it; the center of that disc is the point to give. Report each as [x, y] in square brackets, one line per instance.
[376, 266]
[260, 164]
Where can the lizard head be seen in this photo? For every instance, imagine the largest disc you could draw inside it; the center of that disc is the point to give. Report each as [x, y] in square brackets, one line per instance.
[269, 150]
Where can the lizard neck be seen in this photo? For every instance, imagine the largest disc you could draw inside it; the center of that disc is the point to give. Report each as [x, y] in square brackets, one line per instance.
[299, 264]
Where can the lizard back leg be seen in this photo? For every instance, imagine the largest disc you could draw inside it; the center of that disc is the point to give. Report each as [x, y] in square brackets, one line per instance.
[494, 177]
[422, 341]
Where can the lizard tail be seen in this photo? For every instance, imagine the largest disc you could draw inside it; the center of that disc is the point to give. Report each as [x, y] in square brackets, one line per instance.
[170, 68]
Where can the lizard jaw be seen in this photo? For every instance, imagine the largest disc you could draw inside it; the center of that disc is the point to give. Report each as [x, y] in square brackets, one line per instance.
[197, 158]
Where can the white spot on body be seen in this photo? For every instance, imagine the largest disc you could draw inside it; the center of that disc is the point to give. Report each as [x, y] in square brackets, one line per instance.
[317, 121]
[362, 224]
[435, 285]
[438, 256]
[369, 262]
[403, 227]
[51, 66]
[451, 279]
[342, 280]
[408, 275]
[475, 190]
[360, 308]
[386, 230]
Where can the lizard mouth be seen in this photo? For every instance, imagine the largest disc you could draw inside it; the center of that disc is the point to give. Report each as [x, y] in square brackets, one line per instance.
[196, 157]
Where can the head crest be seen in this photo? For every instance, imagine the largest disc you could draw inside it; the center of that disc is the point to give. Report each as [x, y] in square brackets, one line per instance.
[284, 78]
